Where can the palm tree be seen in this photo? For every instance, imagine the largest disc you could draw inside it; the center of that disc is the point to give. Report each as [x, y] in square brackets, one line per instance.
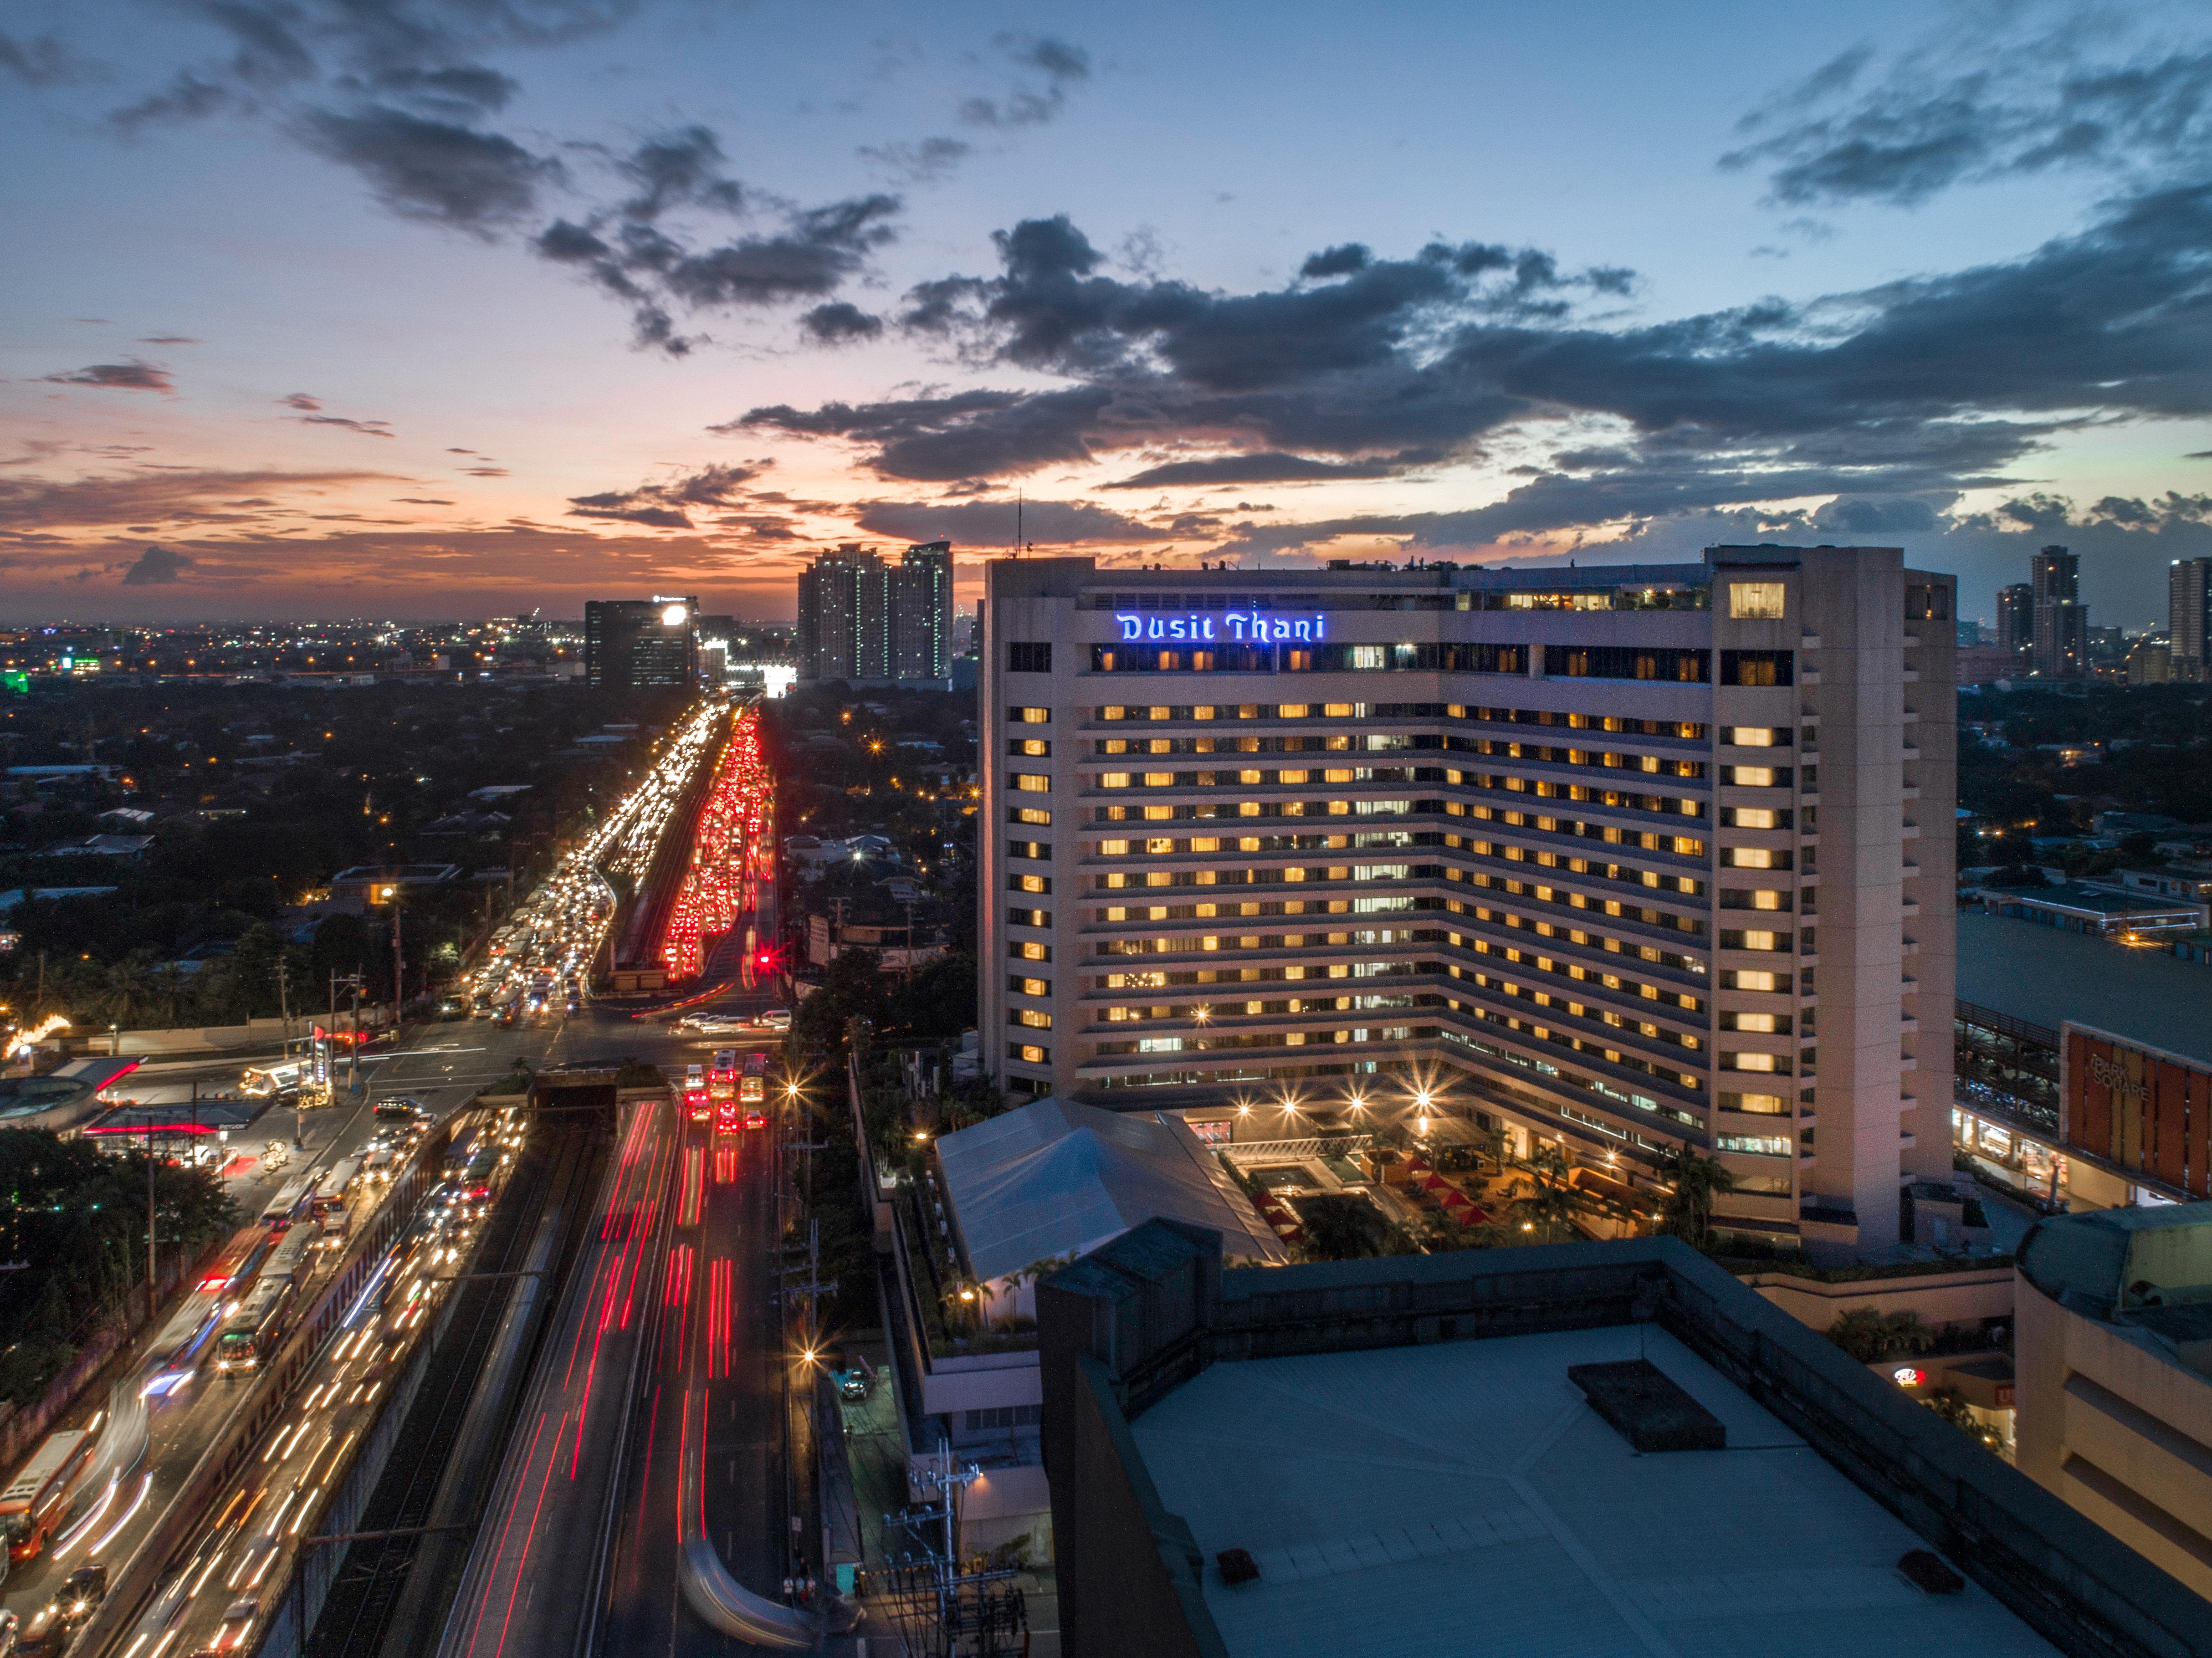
[1692, 1183]
[1548, 1201]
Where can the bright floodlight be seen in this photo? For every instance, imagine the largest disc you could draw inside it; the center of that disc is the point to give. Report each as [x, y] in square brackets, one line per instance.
[673, 617]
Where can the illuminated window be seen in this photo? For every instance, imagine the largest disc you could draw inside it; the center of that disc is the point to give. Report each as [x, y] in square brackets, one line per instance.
[1755, 601]
[1035, 815]
[1022, 987]
[1032, 1019]
[1113, 780]
[1029, 1054]
[1023, 950]
[1029, 883]
[1043, 716]
[1765, 1105]
[1752, 979]
[1030, 783]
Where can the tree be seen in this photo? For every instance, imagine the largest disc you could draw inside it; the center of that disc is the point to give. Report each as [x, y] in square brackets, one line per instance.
[1548, 1202]
[1868, 1334]
[1693, 1183]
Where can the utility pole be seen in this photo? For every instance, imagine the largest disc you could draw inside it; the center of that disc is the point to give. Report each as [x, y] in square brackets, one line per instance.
[149, 1216]
[398, 968]
[353, 1052]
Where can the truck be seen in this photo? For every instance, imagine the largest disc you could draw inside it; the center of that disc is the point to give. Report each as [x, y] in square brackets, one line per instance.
[37, 1499]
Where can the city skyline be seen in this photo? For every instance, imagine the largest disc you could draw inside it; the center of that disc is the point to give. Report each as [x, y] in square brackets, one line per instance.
[474, 308]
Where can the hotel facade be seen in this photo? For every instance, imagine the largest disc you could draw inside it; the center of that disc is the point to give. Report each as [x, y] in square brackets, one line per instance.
[1625, 858]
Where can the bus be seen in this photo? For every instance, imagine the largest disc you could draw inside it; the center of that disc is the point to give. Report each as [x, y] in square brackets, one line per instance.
[232, 1273]
[722, 1080]
[284, 1208]
[38, 1499]
[175, 1354]
[753, 1089]
[331, 1191]
[257, 1324]
[261, 1081]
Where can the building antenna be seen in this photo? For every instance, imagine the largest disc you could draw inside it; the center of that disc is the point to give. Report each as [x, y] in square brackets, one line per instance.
[1018, 524]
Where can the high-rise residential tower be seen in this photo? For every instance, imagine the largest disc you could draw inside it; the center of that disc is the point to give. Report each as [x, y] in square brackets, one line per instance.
[2188, 615]
[2062, 620]
[641, 644]
[2016, 618]
[1627, 858]
[869, 624]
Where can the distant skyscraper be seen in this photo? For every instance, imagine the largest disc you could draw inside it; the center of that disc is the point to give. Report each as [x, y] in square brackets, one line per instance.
[918, 609]
[2061, 621]
[2188, 615]
[2016, 618]
[866, 622]
[641, 644]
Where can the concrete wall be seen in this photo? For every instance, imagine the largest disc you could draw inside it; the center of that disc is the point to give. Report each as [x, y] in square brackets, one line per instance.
[1940, 1298]
[2120, 1430]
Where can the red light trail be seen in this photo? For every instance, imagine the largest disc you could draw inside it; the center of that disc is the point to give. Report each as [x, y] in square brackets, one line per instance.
[729, 854]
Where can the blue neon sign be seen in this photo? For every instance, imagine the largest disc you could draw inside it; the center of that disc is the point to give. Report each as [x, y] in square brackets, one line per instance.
[1244, 627]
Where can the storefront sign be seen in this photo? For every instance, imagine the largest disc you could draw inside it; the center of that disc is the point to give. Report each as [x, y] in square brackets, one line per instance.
[2139, 1110]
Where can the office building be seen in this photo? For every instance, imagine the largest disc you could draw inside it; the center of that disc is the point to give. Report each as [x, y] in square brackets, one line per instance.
[2061, 621]
[646, 644]
[869, 624]
[1585, 1450]
[2188, 615]
[2113, 1367]
[1624, 858]
[2016, 618]
[2149, 663]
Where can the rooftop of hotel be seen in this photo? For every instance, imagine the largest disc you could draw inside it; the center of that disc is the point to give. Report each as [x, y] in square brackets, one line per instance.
[2046, 975]
[1465, 1496]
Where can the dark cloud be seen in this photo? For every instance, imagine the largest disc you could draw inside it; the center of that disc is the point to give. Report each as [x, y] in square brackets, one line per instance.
[966, 435]
[419, 501]
[1267, 466]
[132, 376]
[1061, 64]
[461, 93]
[1967, 111]
[1935, 384]
[373, 428]
[840, 322]
[41, 63]
[668, 506]
[165, 495]
[157, 567]
[434, 170]
[301, 400]
[918, 163]
[678, 169]
[1336, 262]
[985, 525]
[168, 339]
[656, 269]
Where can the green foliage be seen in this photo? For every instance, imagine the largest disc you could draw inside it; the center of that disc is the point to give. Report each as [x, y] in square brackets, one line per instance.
[1868, 1334]
[1694, 1181]
[78, 1216]
[635, 1072]
[1347, 1227]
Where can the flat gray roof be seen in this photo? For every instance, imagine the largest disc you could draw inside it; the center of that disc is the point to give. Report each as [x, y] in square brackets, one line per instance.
[2046, 975]
[1462, 1496]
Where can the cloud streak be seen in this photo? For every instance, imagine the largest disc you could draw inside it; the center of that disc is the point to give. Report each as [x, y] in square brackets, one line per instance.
[131, 376]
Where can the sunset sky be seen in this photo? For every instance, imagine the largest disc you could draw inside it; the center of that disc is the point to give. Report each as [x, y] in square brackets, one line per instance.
[437, 308]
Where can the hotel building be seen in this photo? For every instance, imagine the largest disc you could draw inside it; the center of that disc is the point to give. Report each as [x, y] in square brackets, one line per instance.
[1622, 857]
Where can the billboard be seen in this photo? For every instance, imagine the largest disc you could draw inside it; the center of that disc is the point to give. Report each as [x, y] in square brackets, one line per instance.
[2138, 1109]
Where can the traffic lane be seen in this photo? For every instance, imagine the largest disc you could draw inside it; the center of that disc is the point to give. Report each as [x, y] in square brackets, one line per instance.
[540, 1539]
[744, 1487]
[180, 1425]
[190, 1418]
[717, 1351]
[214, 1599]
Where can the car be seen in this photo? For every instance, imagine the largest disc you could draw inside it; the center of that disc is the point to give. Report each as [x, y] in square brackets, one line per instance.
[401, 1109]
[854, 1383]
[776, 1018]
[756, 1119]
[11, 1630]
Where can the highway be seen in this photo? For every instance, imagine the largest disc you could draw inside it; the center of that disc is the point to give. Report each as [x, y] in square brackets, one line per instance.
[157, 1441]
[709, 1403]
[657, 1411]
